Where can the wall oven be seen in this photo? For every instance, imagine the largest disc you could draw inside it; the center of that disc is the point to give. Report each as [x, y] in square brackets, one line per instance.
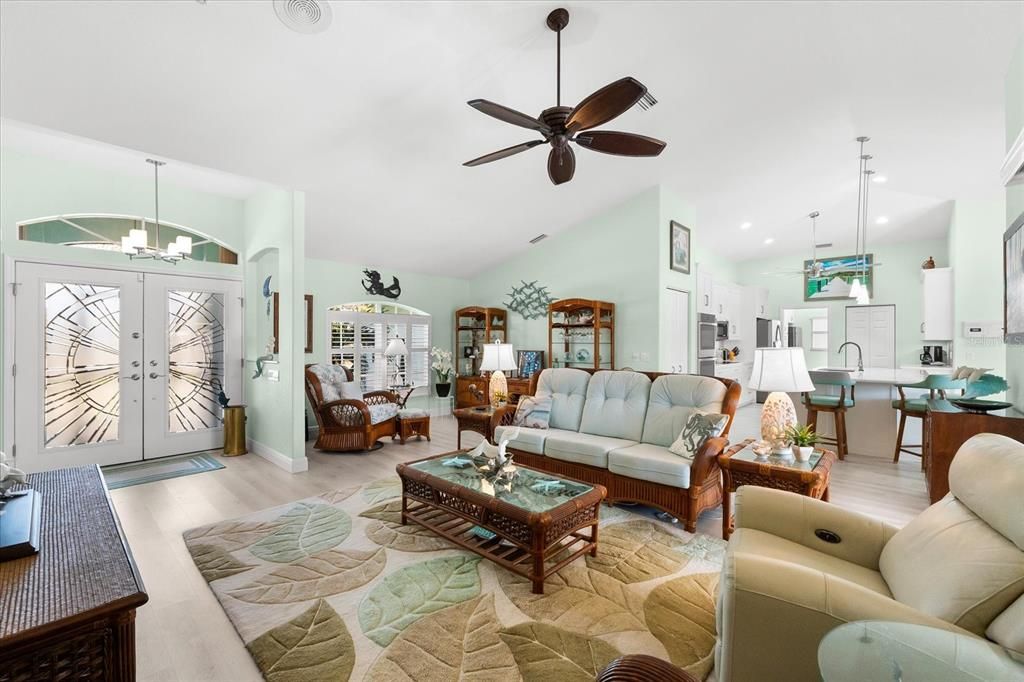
[707, 335]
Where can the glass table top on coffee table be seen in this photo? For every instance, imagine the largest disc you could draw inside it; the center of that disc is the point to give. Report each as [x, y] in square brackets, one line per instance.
[747, 454]
[528, 489]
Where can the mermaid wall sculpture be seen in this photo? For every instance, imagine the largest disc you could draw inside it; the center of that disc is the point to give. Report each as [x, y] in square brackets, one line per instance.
[373, 285]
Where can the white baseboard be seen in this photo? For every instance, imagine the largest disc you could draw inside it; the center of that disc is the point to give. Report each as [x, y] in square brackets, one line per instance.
[292, 465]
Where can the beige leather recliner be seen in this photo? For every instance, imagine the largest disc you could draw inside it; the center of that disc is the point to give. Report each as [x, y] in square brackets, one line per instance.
[958, 566]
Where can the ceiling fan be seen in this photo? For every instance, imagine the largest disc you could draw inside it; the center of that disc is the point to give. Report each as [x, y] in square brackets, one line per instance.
[816, 268]
[560, 125]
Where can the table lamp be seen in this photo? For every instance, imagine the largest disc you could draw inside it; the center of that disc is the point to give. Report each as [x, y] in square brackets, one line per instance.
[498, 358]
[396, 349]
[780, 371]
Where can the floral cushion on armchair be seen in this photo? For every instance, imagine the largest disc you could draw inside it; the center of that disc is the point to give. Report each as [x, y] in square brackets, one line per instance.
[382, 413]
[332, 378]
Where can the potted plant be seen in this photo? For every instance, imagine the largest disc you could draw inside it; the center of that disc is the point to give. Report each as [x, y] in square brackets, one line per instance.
[804, 438]
[441, 363]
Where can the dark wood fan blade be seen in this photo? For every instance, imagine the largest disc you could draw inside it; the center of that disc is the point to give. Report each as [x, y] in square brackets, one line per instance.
[502, 153]
[605, 104]
[621, 144]
[516, 118]
[561, 164]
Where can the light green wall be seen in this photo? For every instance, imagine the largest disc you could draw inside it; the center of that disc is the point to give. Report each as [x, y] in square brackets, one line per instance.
[275, 241]
[976, 256]
[334, 283]
[897, 282]
[612, 257]
[1015, 208]
[33, 186]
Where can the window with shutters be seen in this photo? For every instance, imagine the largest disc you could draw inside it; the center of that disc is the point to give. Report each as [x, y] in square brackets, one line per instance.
[359, 333]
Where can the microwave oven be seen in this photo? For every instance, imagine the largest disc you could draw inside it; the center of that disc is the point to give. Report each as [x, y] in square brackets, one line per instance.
[722, 333]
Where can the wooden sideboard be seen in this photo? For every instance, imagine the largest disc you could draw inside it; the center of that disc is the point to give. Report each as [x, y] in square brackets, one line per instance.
[68, 612]
[946, 428]
[463, 397]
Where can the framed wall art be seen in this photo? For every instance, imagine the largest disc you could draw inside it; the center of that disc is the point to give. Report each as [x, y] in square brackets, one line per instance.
[679, 247]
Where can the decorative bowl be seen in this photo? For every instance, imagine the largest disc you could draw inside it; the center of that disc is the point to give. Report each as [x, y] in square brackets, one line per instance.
[978, 405]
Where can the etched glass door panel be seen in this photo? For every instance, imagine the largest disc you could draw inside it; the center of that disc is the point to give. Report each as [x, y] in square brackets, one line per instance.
[195, 359]
[193, 353]
[78, 359]
[81, 394]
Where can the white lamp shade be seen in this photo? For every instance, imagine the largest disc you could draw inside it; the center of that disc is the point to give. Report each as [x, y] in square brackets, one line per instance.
[780, 369]
[184, 245]
[498, 357]
[126, 245]
[396, 347]
[137, 238]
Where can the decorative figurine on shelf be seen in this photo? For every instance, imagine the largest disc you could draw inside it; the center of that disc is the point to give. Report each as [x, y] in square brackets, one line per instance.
[477, 393]
[979, 384]
[268, 355]
[373, 285]
[267, 293]
[216, 385]
[9, 477]
[928, 264]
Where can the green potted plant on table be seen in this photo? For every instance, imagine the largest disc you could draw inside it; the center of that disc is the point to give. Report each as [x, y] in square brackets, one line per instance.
[441, 363]
[804, 438]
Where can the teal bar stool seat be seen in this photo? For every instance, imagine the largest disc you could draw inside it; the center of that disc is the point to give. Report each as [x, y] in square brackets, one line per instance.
[837, 405]
[937, 385]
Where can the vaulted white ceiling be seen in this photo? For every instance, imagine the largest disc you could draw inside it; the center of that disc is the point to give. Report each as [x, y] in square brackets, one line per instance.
[759, 103]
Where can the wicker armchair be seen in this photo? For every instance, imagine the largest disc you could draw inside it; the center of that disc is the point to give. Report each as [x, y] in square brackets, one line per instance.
[346, 425]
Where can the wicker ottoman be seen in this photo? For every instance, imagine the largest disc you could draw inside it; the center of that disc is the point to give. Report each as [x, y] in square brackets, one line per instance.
[412, 422]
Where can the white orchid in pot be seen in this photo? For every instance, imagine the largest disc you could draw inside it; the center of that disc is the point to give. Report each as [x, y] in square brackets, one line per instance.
[441, 364]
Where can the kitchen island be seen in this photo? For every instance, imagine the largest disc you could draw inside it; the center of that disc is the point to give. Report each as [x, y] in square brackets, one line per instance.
[871, 424]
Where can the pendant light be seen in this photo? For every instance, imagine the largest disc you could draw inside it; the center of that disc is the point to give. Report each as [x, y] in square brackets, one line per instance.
[859, 289]
[136, 244]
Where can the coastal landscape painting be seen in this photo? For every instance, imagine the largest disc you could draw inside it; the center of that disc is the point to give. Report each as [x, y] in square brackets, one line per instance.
[837, 275]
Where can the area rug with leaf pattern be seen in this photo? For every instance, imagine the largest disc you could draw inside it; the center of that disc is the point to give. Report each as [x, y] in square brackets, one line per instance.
[335, 588]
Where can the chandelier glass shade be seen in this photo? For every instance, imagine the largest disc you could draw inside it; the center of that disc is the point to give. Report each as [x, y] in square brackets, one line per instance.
[136, 243]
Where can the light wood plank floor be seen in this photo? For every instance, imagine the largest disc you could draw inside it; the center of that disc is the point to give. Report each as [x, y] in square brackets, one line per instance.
[182, 634]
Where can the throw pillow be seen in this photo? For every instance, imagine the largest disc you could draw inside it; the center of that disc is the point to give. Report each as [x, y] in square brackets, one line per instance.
[350, 391]
[699, 427]
[533, 412]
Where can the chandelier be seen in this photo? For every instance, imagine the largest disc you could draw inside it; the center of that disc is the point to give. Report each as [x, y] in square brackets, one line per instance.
[136, 244]
[859, 288]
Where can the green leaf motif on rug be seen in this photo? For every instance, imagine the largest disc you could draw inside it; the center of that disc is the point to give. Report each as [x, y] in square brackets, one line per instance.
[336, 496]
[636, 551]
[579, 599]
[215, 563]
[408, 594]
[231, 535]
[383, 489]
[681, 614]
[387, 530]
[546, 653]
[330, 572]
[314, 647]
[306, 528]
[460, 642]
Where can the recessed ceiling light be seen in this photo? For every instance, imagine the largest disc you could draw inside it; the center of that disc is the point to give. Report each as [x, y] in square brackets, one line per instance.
[879, 179]
[746, 226]
[881, 220]
[769, 240]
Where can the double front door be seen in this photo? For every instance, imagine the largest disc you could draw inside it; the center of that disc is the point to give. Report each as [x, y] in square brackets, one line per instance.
[114, 366]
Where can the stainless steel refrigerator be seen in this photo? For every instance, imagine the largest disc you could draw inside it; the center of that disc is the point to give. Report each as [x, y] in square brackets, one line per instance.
[769, 335]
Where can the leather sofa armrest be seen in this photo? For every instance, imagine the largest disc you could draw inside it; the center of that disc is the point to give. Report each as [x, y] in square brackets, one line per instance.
[855, 537]
[772, 614]
[705, 462]
[345, 412]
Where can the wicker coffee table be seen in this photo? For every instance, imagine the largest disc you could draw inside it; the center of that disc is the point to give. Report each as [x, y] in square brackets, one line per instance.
[533, 527]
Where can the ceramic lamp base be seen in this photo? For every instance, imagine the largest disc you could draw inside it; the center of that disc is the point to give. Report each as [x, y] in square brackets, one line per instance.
[498, 385]
[777, 415]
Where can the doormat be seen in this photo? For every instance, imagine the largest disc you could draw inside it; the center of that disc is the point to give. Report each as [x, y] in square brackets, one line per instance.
[136, 473]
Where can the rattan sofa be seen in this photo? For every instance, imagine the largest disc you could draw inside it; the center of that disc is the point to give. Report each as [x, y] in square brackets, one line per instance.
[350, 425]
[614, 428]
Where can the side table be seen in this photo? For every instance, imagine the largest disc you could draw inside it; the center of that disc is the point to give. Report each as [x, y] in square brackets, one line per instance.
[476, 419]
[740, 466]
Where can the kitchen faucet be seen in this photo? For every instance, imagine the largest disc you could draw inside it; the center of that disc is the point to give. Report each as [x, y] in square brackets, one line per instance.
[860, 353]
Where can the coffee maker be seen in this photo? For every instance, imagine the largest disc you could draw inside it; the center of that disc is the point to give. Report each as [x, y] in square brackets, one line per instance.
[933, 355]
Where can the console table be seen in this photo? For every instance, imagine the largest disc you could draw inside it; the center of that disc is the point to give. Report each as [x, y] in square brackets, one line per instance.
[946, 428]
[68, 612]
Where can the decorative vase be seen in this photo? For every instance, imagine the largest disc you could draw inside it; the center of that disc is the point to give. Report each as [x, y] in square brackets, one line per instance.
[928, 264]
[803, 452]
[443, 389]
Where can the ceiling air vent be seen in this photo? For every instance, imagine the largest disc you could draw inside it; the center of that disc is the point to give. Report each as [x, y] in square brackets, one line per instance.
[304, 16]
[538, 238]
[823, 245]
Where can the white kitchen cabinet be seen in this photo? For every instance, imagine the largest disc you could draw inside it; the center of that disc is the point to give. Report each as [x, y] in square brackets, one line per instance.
[705, 295]
[937, 304]
[739, 372]
[720, 300]
[761, 303]
[735, 312]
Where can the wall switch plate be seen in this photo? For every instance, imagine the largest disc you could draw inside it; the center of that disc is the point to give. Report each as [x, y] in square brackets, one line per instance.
[983, 330]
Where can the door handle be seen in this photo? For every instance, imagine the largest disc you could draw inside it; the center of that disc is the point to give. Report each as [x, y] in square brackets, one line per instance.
[154, 375]
[133, 377]
[922, 327]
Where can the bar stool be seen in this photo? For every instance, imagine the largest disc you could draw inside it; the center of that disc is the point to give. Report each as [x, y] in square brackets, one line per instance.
[936, 385]
[835, 404]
